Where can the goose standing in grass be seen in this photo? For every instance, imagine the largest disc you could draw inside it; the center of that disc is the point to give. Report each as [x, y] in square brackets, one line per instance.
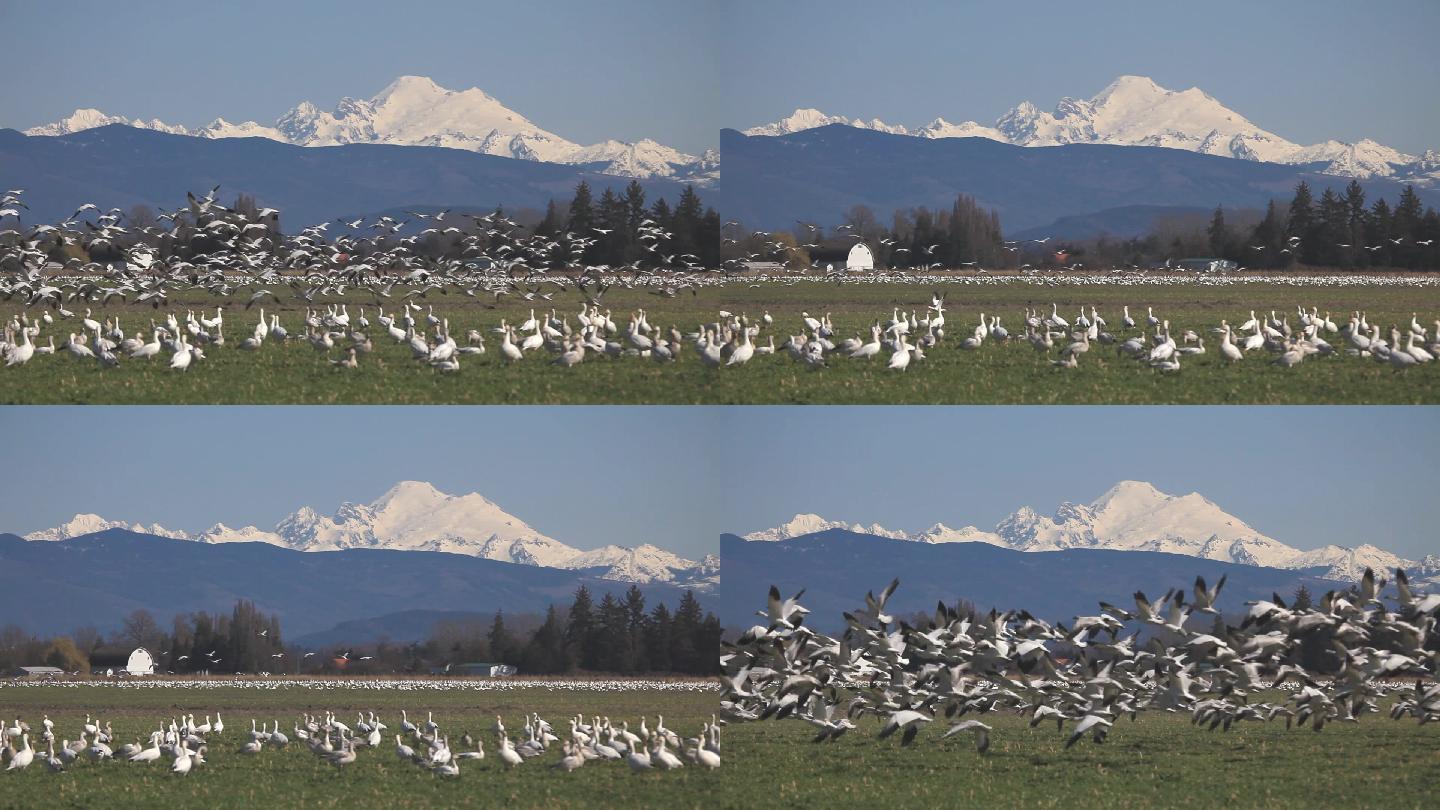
[23, 756]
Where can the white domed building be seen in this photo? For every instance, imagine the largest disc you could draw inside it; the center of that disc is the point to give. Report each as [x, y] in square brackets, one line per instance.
[140, 663]
[860, 258]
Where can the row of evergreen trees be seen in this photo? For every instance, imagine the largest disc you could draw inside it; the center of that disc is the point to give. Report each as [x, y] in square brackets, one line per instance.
[1338, 230]
[620, 635]
[966, 233]
[694, 228]
[615, 636]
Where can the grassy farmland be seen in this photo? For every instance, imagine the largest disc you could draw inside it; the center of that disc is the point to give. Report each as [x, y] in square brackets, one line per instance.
[1157, 761]
[1016, 373]
[996, 373]
[293, 777]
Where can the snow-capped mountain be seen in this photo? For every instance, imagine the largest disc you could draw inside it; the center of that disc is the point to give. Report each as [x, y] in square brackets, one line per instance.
[415, 111]
[1134, 516]
[1135, 111]
[83, 524]
[415, 516]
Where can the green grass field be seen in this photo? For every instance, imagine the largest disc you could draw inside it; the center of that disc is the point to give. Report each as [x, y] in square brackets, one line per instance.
[295, 373]
[1157, 761]
[293, 777]
[1016, 373]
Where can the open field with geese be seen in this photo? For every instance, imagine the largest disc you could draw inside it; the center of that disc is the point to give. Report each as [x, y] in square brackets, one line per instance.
[209, 304]
[1097, 339]
[681, 339]
[1159, 703]
[481, 367]
[391, 743]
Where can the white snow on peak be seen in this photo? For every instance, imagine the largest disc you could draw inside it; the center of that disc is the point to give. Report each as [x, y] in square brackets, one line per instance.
[642, 563]
[415, 111]
[802, 119]
[940, 128]
[798, 526]
[415, 516]
[220, 533]
[1135, 111]
[86, 523]
[220, 128]
[1133, 516]
[82, 119]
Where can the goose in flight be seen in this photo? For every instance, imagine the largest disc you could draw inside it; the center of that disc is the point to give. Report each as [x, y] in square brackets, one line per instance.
[981, 731]
[907, 719]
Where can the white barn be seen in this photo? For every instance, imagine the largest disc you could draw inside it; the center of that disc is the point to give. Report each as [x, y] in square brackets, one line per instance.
[140, 663]
[860, 258]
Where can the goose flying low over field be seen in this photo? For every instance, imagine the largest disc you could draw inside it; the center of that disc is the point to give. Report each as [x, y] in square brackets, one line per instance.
[1086, 675]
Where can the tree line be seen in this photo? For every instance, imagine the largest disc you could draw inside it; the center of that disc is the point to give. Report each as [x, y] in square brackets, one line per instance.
[617, 635]
[694, 230]
[620, 635]
[245, 640]
[615, 222]
[967, 233]
[1340, 229]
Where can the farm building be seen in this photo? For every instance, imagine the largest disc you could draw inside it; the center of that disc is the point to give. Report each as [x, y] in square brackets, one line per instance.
[860, 258]
[140, 663]
[37, 672]
[113, 661]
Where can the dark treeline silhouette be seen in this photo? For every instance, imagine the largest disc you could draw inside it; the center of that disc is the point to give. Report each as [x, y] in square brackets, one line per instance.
[616, 636]
[246, 640]
[1340, 229]
[687, 233]
[694, 229]
[917, 237]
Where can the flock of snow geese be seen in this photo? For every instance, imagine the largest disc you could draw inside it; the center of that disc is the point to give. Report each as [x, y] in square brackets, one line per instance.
[901, 340]
[185, 743]
[906, 337]
[1116, 663]
[241, 258]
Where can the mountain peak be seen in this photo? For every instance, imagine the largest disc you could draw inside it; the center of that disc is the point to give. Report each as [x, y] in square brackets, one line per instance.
[415, 111]
[1132, 491]
[1130, 84]
[410, 489]
[1136, 111]
[416, 516]
[1131, 516]
[411, 84]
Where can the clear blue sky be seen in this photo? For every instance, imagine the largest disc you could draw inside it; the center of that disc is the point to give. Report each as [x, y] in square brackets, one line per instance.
[624, 69]
[1307, 70]
[677, 72]
[678, 477]
[1306, 476]
[585, 476]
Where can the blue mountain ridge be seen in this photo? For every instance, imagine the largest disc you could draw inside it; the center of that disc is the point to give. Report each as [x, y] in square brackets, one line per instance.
[96, 579]
[818, 174]
[837, 567]
[121, 166]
